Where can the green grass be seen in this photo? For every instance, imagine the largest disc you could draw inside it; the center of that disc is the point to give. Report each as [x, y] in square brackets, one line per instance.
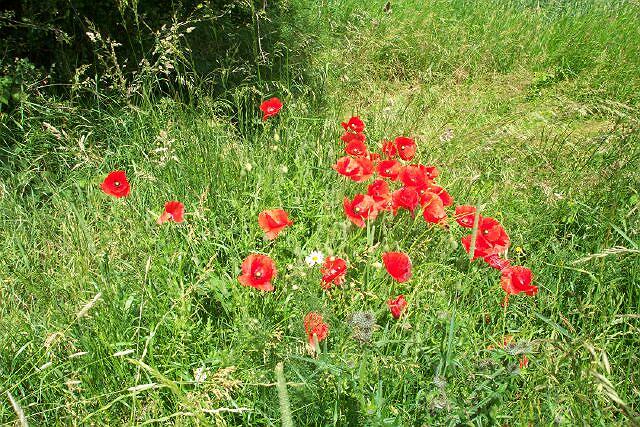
[542, 98]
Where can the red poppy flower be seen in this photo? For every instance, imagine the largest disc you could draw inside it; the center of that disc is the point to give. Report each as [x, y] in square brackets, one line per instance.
[431, 172]
[361, 208]
[116, 184]
[465, 215]
[358, 169]
[389, 149]
[356, 148]
[270, 108]
[446, 198]
[273, 222]
[173, 211]
[496, 262]
[374, 157]
[517, 279]
[406, 147]
[483, 248]
[433, 208]
[314, 325]
[257, 272]
[349, 137]
[389, 169]
[414, 176]
[354, 124]
[398, 265]
[379, 190]
[333, 272]
[405, 197]
[495, 234]
[524, 361]
[397, 306]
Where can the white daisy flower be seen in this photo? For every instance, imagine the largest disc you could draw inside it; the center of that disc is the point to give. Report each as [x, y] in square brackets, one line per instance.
[315, 257]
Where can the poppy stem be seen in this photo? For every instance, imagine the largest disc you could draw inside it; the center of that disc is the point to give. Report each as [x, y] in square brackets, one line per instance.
[474, 233]
[316, 344]
[505, 304]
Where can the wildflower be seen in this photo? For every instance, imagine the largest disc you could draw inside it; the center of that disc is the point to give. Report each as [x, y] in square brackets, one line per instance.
[465, 215]
[270, 108]
[362, 207]
[405, 197]
[355, 124]
[314, 325]
[496, 262]
[333, 272]
[406, 147]
[517, 279]
[389, 169]
[389, 149]
[248, 167]
[414, 176]
[374, 157]
[483, 247]
[433, 208]
[356, 148]
[314, 258]
[397, 306]
[379, 190]
[349, 138]
[273, 222]
[431, 172]
[284, 169]
[495, 234]
[257, 272]
[173, 211]
[446, 198]
[398, 265]
[116, 184]
[358, 169]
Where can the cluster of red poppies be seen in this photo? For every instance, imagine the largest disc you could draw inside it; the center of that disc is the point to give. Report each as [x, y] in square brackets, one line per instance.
[418, 187]
[491, 244]
[257, 271]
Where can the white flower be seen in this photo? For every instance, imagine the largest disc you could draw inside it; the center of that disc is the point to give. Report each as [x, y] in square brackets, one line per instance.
[315, 257]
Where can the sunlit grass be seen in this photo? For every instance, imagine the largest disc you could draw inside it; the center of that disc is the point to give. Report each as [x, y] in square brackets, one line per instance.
[519, 105]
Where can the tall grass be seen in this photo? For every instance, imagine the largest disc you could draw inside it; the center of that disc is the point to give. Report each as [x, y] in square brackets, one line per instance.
[541, 100]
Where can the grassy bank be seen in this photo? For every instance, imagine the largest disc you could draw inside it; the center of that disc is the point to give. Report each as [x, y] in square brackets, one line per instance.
[528, 108]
